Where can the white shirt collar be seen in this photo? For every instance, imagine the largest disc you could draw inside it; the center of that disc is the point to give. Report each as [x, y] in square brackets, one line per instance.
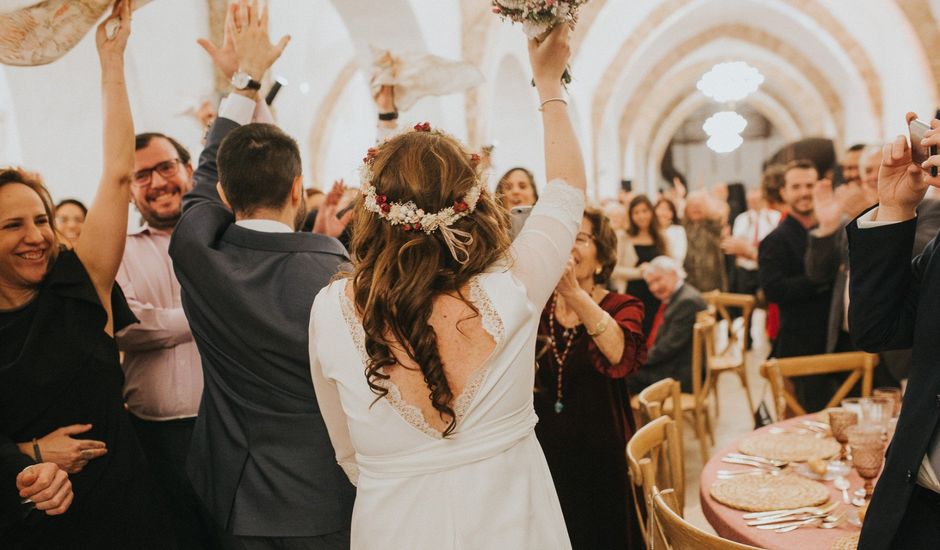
[265, 226]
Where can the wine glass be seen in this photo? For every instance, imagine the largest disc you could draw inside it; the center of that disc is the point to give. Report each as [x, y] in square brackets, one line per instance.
[839, 421]
[877, 411]
[893, 393]
[867, 452]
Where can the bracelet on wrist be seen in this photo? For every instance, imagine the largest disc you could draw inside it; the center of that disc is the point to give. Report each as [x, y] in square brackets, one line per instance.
[388, 116]
[550, 100]
[600, 327]
[36, 454]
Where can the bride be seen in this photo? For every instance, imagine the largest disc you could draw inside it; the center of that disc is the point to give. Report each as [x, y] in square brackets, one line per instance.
[422, 358]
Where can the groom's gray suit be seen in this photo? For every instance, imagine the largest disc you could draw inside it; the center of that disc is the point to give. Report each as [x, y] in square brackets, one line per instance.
[261, 459]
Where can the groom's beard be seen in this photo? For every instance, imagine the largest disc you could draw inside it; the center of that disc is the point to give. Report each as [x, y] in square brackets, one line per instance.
[301, 214]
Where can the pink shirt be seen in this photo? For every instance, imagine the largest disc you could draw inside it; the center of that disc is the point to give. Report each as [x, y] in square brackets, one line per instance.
[162, 369]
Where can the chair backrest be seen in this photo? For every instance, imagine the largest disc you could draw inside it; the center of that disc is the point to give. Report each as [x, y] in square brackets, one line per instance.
[654, 458]
[703, 347]
[858, 364]
[675, 532]
[720, 302]
[652, 401]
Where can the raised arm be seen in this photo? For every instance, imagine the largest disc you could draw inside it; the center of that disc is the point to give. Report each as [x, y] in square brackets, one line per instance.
[542, 248]
[101, 245]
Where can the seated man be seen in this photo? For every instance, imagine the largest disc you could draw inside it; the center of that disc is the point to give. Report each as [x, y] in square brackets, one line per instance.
[670, 339]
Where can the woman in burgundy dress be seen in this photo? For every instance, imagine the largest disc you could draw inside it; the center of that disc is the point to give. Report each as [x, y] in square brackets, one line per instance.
[595, 340]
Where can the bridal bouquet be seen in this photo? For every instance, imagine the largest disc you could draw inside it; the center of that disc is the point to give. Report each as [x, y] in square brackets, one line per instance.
[539, 17]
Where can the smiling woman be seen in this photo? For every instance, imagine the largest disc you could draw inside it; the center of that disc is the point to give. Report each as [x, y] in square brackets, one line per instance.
[59, 369]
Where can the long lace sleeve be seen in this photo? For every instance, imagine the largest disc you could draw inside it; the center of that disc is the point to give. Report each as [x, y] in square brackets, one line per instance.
[332, 410]
[542, 248]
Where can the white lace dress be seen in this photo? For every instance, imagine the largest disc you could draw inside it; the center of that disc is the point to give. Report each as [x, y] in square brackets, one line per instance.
[487, 485]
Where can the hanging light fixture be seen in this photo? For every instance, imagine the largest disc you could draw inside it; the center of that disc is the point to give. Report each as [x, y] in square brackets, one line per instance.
[730, 81]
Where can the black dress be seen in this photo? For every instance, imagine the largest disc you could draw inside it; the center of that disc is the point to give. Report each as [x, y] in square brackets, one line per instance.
[58, 367]
[645, 253]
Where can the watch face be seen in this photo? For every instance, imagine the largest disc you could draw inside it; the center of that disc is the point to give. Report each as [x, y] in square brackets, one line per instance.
[240, 80]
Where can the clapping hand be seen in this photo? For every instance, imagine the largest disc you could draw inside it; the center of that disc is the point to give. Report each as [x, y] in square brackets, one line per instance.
[901, 184]
[253, 49]
[568, 285]
[327, 223]
[827, 208]
[225, 57]
[47, 487]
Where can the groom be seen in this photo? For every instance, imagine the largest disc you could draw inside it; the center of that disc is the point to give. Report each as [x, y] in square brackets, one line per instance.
[260, 458]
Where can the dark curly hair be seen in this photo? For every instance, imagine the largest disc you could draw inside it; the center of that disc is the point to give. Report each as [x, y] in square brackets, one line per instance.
[605, 241]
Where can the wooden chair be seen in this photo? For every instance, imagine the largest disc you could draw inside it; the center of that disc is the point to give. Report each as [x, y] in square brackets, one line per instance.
[657, 399]
[677, 533]
[859, 364]
[733, 356]
[654, 459]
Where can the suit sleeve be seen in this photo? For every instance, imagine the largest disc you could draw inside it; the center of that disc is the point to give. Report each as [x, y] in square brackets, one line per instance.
[884, 285]
[823, 256]
[12, 462]
[773, 261]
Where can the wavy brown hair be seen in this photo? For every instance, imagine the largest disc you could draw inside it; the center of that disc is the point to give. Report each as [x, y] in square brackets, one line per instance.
[13, 174]
[396, 273]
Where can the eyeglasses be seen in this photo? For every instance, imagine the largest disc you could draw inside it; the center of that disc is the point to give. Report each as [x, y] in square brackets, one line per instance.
[583, 240]
[166, 169]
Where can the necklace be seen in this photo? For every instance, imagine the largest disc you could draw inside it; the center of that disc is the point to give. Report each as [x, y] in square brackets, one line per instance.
[560, 356]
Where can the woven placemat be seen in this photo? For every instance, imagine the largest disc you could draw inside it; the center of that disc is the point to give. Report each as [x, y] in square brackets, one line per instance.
[848, 542]
[792, 447]
[763, 493]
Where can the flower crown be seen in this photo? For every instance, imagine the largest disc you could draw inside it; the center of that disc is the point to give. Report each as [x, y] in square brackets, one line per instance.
[407, 214]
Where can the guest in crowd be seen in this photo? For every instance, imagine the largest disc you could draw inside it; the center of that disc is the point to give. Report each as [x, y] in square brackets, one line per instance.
[671, 228]
[893, 304]
[804, 303]
[644, 242]
[162, 369]
[849, 164]
[517, 188]
[581, 396]
[260, 458]
[69, 218]
[314, 198]
[426, 386]
[60, 372]
[670, 339]
[771, 185]
[749, 230]
[704, 261]
[42, 488]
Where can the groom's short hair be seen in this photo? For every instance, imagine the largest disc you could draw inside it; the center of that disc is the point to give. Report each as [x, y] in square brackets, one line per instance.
[257, 167]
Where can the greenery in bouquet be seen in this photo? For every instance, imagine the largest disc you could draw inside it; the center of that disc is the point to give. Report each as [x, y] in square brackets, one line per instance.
[539, 17]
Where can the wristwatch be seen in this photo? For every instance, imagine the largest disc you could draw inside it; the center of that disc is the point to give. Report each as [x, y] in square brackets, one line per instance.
[243, 81]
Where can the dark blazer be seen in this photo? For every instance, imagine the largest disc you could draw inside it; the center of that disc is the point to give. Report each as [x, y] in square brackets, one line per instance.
[260, 459]
[671, 354]
[804, 303]
[893, 305]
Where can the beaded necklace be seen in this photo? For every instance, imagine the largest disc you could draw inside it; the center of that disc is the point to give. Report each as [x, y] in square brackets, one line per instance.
[560, 356]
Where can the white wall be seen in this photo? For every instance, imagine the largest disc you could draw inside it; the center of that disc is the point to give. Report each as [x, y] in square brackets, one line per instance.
[703, 167]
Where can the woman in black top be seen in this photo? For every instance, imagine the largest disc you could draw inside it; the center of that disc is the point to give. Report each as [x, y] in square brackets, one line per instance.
[59, 364]
[648, 242]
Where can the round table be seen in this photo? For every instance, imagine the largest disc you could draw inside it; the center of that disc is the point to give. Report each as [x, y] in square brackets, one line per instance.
[729, 524]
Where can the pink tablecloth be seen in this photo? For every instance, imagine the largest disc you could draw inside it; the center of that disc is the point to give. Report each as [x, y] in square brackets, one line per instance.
[729, 524]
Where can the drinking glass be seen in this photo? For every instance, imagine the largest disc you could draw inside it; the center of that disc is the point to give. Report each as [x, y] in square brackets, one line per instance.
[893, 393]
[877, 411]
[839, 421]
[867, 453]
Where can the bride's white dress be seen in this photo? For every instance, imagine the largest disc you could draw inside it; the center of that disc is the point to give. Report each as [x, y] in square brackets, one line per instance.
[487, 485]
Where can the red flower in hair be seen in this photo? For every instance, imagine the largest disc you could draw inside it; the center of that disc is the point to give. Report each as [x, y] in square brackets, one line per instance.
[460, 206]
[406, 227]
[474, 159]
[370, 155]
[381, 199]
[385, 207]
[417, 226]
[423, 127]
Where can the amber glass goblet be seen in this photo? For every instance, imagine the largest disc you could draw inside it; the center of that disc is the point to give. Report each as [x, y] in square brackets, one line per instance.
[867, 453]
[839, 421]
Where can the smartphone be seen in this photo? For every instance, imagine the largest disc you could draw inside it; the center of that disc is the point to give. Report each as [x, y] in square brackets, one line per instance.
[919, 153]
[518, 216]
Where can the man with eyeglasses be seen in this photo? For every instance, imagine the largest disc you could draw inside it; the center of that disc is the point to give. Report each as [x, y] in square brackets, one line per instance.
[162, 368]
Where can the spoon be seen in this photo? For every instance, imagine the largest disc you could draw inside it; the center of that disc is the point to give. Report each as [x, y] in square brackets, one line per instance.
[843, 485]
